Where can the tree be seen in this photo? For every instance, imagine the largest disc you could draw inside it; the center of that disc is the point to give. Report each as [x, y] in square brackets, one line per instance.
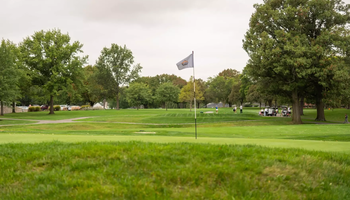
[229, 73]
[114, 66]
[92, 91]
[54, 61]
[187, 93]
[8, 73]
[220, 88]
[166, 93]
[254, 95]
[289, 42]
[138, 94]
[237, 95]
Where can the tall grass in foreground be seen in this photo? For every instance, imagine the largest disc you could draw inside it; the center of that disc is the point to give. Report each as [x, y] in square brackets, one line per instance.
[136, 170]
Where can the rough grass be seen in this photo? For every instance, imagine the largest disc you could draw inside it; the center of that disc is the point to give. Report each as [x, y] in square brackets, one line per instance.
[14, 122]
[162, 168]
[137, 170]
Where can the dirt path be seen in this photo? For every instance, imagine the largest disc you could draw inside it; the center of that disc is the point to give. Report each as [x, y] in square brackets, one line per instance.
[46, 121]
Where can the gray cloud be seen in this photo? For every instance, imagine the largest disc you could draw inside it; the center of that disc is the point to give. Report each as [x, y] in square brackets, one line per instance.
[158, 32]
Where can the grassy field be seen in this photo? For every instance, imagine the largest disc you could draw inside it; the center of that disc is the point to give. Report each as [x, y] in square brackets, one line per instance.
[135, 170]
[152, 154]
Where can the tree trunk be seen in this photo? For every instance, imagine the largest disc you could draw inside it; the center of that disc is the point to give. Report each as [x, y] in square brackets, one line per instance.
[302, 105]
[117, 99]
[2, 108]
[92, 103]
[51, 106]
[320, 109]
[166, 107]
[270, 103]
[276, 106]
[13, 107]
[296, 119]
[104, 104]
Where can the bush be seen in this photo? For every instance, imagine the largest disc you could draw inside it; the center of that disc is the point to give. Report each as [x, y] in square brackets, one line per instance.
[56, 108]
[85, 107]
[33, 109]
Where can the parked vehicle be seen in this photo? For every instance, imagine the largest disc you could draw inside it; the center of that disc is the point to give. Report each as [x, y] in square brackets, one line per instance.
[285, 112]
[44, 107]
[271, 111]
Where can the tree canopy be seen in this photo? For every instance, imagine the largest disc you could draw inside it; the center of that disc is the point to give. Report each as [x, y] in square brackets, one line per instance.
[289, 43]
[166, 93]
[115, 67]
[8, 72]
[54, 61]
[138, 94]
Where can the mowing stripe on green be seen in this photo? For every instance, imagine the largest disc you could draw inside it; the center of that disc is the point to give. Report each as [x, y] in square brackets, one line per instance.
[328, 146]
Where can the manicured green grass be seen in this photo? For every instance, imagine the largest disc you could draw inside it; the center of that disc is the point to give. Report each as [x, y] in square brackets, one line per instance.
[12, 122]
[170, 116]
[328, 146]
[337, 115]
[335, 132]
[135, 170]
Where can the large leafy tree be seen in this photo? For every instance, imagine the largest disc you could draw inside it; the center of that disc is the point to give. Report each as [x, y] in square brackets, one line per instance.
[138, 94]
[8, 73]
[92, 91]
[55, 61]
[154, 83]
[115, 67]
[167, 93]
[220, 88]
[187, 93]
[289, 43]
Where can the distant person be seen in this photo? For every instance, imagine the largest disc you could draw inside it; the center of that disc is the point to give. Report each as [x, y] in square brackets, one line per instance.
[217, 110]
[346, 119]
[277, 110]
[261, 112]
[265, 111]
[234, 109]
[241, 108]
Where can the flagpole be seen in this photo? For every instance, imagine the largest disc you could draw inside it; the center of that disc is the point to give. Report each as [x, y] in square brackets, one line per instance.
[194, 96]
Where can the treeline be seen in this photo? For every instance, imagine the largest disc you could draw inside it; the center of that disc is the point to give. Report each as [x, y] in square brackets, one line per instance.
[48, 68]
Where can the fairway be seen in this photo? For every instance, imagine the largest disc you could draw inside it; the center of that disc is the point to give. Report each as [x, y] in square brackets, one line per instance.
[153, 154]
[327, 146]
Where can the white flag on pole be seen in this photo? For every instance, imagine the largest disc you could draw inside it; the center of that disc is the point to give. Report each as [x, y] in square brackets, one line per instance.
[185, 63]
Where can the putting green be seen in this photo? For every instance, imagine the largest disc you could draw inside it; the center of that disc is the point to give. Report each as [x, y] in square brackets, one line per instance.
[328, 146]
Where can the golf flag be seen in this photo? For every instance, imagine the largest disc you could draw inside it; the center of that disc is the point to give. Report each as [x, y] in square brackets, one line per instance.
[185, 63]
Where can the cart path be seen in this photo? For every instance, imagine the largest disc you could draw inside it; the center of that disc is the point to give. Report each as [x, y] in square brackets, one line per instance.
[46, 121]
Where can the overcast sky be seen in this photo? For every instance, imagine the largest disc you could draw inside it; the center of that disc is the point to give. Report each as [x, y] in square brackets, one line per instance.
[158, 32]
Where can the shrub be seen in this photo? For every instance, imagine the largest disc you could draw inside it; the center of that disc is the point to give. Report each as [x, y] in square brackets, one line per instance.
[33, 109]
[56, 108]
[85, 107]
